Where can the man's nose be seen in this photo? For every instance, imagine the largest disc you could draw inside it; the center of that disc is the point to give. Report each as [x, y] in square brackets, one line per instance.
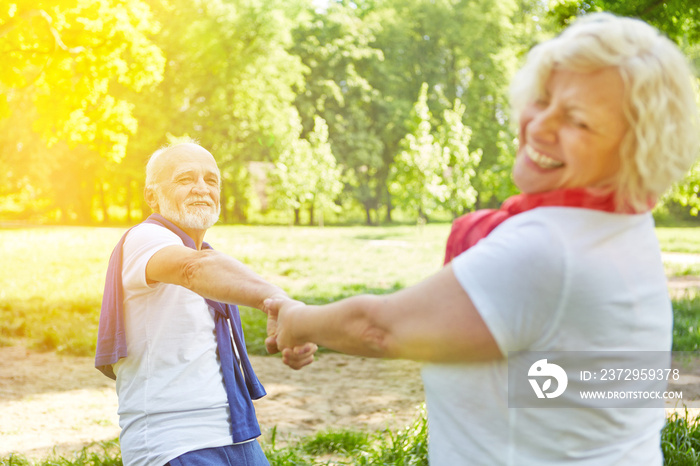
[200, 186]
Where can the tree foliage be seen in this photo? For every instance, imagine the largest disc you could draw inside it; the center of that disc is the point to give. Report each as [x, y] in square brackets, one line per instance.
[365, 106]
[335, 46]
[416, 178]
[69, 56]
[461, 162]
[306, 174]
[679, 19]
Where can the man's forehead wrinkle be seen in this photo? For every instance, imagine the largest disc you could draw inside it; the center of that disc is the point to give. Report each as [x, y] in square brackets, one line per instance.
[182, 171]
[190, 171]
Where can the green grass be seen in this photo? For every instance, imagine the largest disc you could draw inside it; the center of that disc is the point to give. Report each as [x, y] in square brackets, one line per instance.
[51, 283]
[679, 239]
[684, 240]
[680, 443]
[406, 447]
[686, 322]
[98, 454]
[680, 440]
[51, 279]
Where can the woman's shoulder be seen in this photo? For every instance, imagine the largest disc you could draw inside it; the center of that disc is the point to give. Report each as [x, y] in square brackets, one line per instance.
[575, 222]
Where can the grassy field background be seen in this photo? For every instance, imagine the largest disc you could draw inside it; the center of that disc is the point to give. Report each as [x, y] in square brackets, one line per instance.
[51, 282]
[51, 279]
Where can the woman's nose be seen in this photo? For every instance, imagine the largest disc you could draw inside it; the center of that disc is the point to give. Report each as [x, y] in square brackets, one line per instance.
[544, 124]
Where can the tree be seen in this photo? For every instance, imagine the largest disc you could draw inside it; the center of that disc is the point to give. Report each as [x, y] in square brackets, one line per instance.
[679, 19]
[462, 49]
[454, 138]
[65, 65]
[69, 56]
[416, 177]
[228, 84]
[306, 174]
[326, 172]
[334, 46]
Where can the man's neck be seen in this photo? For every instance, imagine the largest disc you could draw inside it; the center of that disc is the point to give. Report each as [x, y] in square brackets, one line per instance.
[196, 235]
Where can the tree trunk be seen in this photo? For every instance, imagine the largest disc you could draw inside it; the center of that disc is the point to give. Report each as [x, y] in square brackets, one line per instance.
[222, 200]
[127, 202]
[103, 202]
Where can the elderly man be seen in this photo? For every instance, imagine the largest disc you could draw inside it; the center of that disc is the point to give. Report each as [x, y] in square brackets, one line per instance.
[185, 386]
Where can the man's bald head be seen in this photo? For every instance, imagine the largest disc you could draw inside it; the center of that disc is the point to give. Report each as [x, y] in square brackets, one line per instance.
[166, 157]
[183, 184]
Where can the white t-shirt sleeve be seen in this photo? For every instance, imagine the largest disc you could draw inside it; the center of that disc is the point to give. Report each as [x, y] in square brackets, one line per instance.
[516, 277]
[142, 242]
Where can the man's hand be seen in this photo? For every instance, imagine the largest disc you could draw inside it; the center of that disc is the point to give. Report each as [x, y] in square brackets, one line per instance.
[271, 341]
[295, 354]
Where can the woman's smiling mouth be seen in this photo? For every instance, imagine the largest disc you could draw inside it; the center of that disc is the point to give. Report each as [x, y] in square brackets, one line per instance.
[542, 160]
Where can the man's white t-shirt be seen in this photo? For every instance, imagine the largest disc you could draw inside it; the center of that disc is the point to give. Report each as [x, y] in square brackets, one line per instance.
[171, 392]
[553, 279]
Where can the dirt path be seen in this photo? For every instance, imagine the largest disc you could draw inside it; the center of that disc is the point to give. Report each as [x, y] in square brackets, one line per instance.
[48, 401]
[51, 402]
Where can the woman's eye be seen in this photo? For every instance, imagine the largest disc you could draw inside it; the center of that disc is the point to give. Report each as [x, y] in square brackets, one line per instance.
[579, 123]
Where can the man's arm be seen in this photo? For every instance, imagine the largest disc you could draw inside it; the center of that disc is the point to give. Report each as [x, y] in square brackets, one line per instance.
[434, 320]
[217, 276]
[211, 274]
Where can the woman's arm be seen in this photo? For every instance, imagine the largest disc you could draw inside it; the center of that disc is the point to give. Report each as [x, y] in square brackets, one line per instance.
[432, 321]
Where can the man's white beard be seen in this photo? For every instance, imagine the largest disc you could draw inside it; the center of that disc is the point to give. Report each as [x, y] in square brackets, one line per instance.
[197, 220]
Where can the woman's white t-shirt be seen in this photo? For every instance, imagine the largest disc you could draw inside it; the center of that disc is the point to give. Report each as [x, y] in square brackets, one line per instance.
[553, 279]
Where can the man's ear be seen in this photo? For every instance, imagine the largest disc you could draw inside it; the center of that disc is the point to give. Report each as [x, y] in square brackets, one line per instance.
[149, 194]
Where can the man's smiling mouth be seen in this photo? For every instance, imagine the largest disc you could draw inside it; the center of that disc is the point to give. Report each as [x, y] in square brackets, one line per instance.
[199, 202]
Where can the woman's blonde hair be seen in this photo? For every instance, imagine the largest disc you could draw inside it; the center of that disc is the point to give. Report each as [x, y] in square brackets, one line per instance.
[660, 102]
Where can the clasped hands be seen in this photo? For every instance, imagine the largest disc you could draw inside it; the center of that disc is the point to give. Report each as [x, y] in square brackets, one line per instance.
[280, 338]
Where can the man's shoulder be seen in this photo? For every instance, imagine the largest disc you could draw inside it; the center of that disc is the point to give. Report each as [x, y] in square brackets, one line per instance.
[145, 234]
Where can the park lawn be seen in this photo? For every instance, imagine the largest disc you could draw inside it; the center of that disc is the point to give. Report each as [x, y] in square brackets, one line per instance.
[679, 239]
[52, 278]
[680, 443]
[51, 283]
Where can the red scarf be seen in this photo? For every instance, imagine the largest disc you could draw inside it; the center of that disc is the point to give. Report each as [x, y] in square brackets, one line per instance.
[468, 229]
